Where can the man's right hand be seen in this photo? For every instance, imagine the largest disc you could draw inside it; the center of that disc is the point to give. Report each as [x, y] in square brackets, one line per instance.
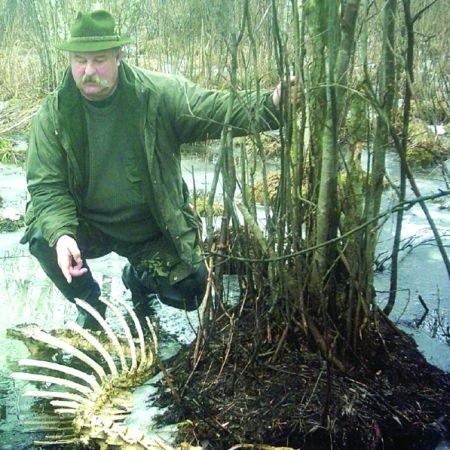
[69, 258]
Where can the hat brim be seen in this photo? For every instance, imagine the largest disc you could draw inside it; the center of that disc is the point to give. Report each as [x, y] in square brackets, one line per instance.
[92, 46]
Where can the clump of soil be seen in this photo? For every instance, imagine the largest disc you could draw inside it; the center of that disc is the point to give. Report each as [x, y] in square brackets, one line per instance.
[8, 225]
[236, 392]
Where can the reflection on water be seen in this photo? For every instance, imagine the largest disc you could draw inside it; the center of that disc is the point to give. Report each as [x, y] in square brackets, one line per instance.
[26, 297]
[11, 427]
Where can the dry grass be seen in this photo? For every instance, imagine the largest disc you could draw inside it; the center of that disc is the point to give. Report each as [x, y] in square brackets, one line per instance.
[20, 74]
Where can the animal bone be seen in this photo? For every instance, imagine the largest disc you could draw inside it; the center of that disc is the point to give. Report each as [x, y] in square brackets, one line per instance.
[97, 402]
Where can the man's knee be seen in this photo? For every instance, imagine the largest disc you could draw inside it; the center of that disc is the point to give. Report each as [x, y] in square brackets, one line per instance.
[191, 290]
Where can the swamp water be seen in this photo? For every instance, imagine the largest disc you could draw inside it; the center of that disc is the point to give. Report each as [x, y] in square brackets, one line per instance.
[27, 296]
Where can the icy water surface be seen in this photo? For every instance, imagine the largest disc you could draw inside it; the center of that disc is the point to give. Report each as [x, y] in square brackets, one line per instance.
[26, 295]
[421, 270]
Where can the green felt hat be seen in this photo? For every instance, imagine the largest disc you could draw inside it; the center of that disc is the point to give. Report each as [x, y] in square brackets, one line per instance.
[92, 32]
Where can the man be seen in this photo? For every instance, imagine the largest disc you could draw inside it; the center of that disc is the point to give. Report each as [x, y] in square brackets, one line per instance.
[104, 175]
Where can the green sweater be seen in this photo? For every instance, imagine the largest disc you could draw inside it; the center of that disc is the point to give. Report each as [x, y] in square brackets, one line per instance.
[169, 111]
[116, 199]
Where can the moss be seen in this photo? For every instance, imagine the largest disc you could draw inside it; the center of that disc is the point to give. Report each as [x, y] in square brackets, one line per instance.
[9, 154]
[9, 225]
[273, 181]
[201, 206]
[424, 147]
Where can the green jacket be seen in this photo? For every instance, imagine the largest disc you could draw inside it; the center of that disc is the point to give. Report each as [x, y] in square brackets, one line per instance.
[171, 111]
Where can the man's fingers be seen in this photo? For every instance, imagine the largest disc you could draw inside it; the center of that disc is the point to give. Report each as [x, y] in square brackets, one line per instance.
[69, 258]
[64, 264]
[77, 269]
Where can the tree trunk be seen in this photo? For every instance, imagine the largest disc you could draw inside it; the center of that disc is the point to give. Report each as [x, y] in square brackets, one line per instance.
[386, 95]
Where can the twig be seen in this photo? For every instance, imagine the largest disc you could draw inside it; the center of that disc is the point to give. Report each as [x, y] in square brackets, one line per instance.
[425, 307]
[20, 122]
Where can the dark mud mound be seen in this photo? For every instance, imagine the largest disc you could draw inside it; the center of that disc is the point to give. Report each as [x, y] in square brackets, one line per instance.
[233, 391]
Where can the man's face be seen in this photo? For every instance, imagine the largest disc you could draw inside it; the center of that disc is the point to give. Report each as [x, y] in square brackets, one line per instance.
[95, 73]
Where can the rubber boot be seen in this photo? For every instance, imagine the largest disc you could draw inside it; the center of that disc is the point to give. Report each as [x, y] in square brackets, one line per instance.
[144, 302]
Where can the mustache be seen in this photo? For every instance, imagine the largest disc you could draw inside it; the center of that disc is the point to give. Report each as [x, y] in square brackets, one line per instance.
[93, 79]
